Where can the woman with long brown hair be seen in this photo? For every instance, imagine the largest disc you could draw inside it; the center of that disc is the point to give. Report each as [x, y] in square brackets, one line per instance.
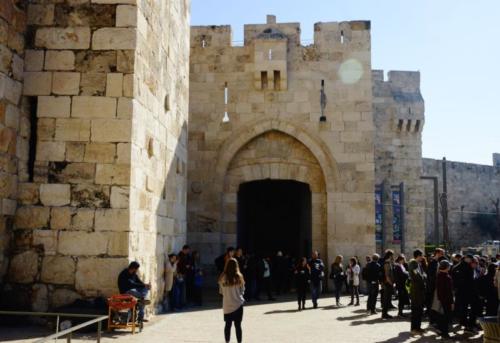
[338, 276]
[232, 288]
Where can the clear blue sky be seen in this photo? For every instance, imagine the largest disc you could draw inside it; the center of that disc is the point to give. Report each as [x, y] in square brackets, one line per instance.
[455, 44]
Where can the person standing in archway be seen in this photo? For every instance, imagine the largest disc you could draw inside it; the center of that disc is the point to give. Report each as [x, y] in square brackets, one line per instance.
[302, 274]
[317, 274]
[232, 289]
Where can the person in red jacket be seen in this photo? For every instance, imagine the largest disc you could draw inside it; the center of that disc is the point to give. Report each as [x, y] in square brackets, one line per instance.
[444, 290]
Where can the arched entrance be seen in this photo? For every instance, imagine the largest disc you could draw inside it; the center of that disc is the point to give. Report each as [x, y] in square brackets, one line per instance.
[275, 215]
[276, 169]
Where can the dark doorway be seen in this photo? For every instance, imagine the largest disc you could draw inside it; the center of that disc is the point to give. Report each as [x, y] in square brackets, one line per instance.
[275, 215]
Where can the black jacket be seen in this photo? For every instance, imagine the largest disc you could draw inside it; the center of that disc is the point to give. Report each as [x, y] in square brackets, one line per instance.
[127, 281]
[373, 271]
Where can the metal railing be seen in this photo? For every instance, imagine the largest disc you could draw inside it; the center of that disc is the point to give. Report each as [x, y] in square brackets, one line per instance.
[67, 332]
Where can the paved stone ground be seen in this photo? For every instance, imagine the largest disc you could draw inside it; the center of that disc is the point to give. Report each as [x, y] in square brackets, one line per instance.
[276, 322]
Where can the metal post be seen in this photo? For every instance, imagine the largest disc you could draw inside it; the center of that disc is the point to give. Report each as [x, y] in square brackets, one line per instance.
[403, 209]
[68, 338]
[57, 327]
[436, 206]
[99, 327]
[444, 206]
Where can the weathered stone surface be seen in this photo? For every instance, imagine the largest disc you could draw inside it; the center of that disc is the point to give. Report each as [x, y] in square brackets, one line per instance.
[32, 217]
[93, 107]
[93, 84]
[58, 270]
[64, 172]
[33, 60]
[63, 38]
[39, 298]
[126, 16]
[54, 106]
[24, 267]
[111, 130]
[66, 83]
[114, 85]
[40, 14]
[99, 275]
[46, 240]
[119, 197]
[84, 15]
[112, 220]
[27, 193]
[97, 152]
[114, 39]
[50, 151]
[55, 194]
[125, 61]
[61, 297]
[37, 83]
[112, 174]
[80, 243]
[75, 130]
[96, 61]
[59, 60]
[86, 195]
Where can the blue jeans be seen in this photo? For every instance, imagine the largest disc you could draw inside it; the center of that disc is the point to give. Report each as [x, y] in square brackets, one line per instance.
[179, 294]
[139, 293]
[316, 290]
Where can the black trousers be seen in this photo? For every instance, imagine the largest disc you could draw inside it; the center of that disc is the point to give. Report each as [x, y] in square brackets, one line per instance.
[301, 295]
[417, 312]
[444, 320]
[236, 317]
[372, 296]
[265, 284]
[386, 298]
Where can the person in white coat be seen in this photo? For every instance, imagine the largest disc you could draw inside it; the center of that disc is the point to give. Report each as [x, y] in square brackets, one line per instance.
[353, 271]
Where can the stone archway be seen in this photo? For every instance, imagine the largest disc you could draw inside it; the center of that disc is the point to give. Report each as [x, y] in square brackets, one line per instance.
[275, 155]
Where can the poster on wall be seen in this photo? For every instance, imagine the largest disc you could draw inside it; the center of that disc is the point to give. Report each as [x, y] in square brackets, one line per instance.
[379, 212]
[397, 215]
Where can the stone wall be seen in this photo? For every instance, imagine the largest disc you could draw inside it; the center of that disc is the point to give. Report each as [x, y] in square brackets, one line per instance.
[95, 69]
[398, 109]
[273, 85]
[159, 136]
[471, 188]
[14, 120]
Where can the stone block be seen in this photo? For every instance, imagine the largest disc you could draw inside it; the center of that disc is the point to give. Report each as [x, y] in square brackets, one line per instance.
[53, 106]
[59, 60]
[75, 152]
[58, 270]
[55, 194]
[114, 39]
[9, 207]
[123, 153]
[93, 84]
[125, 108]
[46, 129]
[27, 193]
[71, 129]
[8, 139]
[46, 240]
[98, 276]
[97, 152]
[83, 219]
[61, 297]
[39, 298]
[126, 16]
[128, 85]
[111, 130]
[60, 218]
[118, 243]
[72, 172]
[32, 217]
[93, 107]
[66, 83]
[88, 195]
[33, 60]
[112, 220]
[112, 174]
[50, 151]
[37, 83]
[114, 84]
[119, 197]
[59, 38]
[24, 267]
[125, 61]
[132, 2]
[80, 243]
[40, 14]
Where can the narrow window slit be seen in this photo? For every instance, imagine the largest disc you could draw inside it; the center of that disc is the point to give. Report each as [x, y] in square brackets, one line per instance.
[277, 80]
[341, 37]
[263, 79]
[417, 126]
[408, 126]
[225, 119]
[322, 101]
[400, 124]
[270, 54]
[33, 103]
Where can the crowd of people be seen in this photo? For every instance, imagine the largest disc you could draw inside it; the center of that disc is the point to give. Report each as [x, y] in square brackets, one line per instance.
[443, 289]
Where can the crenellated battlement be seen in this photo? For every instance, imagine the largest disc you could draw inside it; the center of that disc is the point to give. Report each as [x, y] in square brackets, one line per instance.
[327, 36]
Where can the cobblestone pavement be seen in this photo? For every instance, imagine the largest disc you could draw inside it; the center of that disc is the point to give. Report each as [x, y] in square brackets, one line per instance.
[271, 322]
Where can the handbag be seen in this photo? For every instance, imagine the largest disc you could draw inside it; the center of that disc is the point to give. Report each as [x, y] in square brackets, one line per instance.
[436, 304]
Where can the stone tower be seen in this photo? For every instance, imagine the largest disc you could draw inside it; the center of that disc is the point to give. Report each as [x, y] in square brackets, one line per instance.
[93, 104]
[275, 110]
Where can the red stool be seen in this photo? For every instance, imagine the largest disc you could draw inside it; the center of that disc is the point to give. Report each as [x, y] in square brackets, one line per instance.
[119, 307]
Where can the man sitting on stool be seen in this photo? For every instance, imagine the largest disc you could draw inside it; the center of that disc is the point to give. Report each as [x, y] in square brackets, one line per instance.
[129, 283]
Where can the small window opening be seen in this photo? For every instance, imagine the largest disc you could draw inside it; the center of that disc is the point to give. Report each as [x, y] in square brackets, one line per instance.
[164, 192]
[409, 110]
[400, 124]
[270, 54]
[178, 167]
[408, 126]
[417, 126]
[263, 79]
[203, 43]
[33, 103]
[167, 103]
[277, 80]
[341, 37]
[322, 101]
[151, 151]
[225, 119]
